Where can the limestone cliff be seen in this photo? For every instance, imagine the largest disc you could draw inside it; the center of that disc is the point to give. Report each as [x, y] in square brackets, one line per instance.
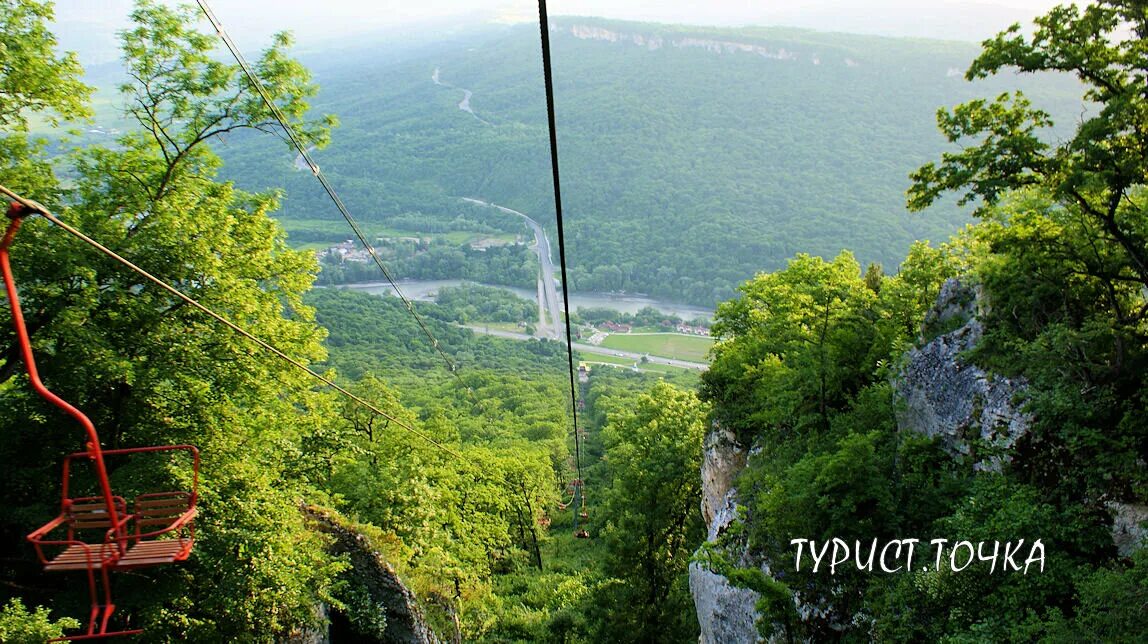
[973, 412]
[726, 613]
[381, 601]
[709, 45]
[724, 458]
[942, 395]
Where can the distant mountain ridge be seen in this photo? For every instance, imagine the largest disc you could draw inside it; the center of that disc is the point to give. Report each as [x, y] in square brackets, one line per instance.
[691, 157]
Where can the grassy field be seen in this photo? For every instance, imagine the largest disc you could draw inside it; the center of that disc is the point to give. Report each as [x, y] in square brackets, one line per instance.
[499, 326]
[666, 345]
[596, 360]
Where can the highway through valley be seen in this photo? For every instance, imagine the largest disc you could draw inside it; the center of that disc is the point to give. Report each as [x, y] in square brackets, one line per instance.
[550, 323]
[549, 304]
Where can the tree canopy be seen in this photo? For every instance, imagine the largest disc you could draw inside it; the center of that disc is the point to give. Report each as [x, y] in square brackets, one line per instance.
[1100, 171]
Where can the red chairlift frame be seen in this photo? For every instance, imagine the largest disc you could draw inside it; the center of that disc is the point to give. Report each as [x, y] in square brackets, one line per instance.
[126, 542]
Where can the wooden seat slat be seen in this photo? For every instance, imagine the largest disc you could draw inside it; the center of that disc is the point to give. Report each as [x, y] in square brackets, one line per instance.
[166, 503]
[167, 509]
[148, 553]
[162, 497]
[91, 509]
[89, 525]
[75, 557]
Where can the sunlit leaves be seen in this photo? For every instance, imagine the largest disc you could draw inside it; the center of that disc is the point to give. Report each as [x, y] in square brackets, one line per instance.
[653, 451]
[34, 79]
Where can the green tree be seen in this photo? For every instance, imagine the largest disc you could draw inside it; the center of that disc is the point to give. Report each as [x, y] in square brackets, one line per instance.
[1097, 173]
[182, 96]
[1064, 254]
[34, 82]
[34, 79]
[149, 370]
[654, 451]
[793, 345]
[18, 626]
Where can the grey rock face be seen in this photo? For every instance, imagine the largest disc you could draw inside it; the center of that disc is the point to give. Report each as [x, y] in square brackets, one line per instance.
[1129, 527]
[945, 396]
[722, 460]
[405, 621]
[974, 413]
[726, 613]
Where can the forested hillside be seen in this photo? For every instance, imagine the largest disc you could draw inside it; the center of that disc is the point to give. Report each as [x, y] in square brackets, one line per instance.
[401, 478]
[1019, 472]
[445, 456]
[691, 158]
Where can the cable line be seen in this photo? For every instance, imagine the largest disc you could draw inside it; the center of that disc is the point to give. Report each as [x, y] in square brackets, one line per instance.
[42, 211]
[315, 170]
[544, 25]
[297, 142]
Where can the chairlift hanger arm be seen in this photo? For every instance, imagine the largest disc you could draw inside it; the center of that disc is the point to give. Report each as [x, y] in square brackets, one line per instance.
[16, 213]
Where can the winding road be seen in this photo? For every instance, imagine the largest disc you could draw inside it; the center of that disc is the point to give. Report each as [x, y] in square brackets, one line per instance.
[548, 300]
[464, 104]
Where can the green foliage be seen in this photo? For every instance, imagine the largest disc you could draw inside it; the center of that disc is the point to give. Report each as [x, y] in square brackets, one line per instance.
[35, 82]
[1064, 261]
[1056, 259]
[647, 316]
[513, 265]
[984, 601]
[473, 303]
[1067, 314]
[18, 626]
[149, 370]
[1111, 605]
[813, 157]
[182, 97]
[653, 455]
[34, 79]
[800, 343]
[372, 334]
[1097, 171]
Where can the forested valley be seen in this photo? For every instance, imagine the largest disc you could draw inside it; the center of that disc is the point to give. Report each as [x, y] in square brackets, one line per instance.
[447, 464]
[691, 157]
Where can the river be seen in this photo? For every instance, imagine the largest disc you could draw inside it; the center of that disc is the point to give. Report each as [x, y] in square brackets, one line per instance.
[426, 290]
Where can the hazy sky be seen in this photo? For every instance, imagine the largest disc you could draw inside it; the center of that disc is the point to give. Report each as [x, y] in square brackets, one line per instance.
[250, 22]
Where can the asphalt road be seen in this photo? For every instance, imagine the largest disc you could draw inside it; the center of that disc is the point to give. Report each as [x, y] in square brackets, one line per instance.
[550, 304]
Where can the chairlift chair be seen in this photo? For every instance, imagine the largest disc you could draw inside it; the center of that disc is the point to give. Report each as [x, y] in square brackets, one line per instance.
[102, 533]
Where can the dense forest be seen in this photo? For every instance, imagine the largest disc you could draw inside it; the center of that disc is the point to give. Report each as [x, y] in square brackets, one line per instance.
[454, 459]
[688, 162]
[812, 356]
[453, 477]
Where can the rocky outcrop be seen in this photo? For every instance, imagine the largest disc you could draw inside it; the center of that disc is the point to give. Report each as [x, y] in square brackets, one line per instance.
[723, 459]
[726, 613]
[1129, 527]
[586, 32]
[975, 415]
[319, 634]
[377, 584]
[973, 412]
[654, 42]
